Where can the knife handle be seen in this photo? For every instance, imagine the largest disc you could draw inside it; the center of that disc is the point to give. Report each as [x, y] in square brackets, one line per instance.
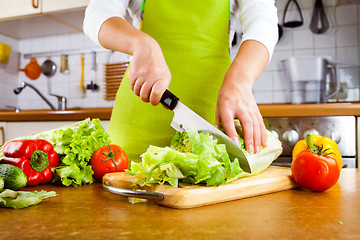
[169, 100]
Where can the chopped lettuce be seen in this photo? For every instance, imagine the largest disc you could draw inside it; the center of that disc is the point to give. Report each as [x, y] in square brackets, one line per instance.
[196, 158]
[75, 145]
[192, 158]
[22, 199]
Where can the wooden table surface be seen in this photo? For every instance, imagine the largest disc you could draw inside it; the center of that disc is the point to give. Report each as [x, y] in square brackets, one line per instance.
[89, 212]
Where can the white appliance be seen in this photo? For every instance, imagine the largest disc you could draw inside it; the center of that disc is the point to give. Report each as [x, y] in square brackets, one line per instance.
[311, 79]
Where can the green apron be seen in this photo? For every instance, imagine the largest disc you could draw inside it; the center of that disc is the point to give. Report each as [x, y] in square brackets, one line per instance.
[194, 38]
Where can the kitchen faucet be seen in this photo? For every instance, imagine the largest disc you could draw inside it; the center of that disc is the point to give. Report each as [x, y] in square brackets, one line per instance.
[61, 99]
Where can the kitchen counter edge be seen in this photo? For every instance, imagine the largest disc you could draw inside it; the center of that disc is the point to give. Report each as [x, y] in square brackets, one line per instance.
[267, 110]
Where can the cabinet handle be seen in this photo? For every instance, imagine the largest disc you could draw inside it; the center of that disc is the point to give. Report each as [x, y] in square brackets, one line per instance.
[2, 130]
[35, 5]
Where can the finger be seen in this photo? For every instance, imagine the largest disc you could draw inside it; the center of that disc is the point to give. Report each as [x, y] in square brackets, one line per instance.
[227, 121]
[256, 134]
[262, 129]
[138, 85]
[132, 78]
[157, 91]
[263, 132]
[247, 126]
[146, 91]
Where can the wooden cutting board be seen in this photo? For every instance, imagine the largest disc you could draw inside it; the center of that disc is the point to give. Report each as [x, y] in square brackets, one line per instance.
[273, 179]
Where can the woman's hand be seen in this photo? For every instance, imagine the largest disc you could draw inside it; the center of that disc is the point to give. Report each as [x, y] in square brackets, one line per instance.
[149, 74]
[236, 101]
[235, 98]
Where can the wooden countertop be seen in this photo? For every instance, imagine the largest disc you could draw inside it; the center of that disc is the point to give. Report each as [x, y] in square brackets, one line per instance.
[89, 212]
[267, 110]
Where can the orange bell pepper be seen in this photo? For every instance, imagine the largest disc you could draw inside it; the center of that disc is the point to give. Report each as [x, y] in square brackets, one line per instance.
[319, 144]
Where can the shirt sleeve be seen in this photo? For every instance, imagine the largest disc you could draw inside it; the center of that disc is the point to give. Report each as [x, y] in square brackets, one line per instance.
[258, 19]
[98, 11]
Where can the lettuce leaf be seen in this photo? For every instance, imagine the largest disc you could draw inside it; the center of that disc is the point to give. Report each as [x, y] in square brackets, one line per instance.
[22, 199]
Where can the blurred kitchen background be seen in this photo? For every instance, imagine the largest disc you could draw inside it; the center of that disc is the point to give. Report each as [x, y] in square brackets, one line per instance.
[55, 31]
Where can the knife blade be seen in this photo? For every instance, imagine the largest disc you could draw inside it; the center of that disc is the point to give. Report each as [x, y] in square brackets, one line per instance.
[185, 118]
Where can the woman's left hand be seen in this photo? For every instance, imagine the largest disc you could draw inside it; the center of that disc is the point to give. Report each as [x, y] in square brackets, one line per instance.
[235, 98]
[238, 102]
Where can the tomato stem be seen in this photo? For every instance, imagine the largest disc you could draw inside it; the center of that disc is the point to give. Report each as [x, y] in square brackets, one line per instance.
[110, 155]
[316, 148]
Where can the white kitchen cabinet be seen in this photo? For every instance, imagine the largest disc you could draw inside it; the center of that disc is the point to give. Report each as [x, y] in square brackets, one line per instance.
[17, 8]
[62, 5]
[12, 9]
[20, 129]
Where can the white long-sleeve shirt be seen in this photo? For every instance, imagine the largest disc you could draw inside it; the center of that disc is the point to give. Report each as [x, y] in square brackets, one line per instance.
[258, 18]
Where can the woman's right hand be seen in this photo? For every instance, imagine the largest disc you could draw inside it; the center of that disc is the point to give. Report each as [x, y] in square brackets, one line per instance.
[149, 74]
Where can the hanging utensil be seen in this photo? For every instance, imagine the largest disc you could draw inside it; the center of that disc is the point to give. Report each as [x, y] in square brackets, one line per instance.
[32, 70]
[82, 87]
[93, 86]
[64, 65]
[319, 21]
[48, 68]
[293, 23]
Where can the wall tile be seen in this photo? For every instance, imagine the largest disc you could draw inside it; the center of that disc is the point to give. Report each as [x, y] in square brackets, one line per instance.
[346, 14]
[348, 55]
[263, 96]
[278, 57]
[325, 40]
[303, 39]
[281, 97]
[347, 36]
[326, 52]
[264, 83]
[279, 81]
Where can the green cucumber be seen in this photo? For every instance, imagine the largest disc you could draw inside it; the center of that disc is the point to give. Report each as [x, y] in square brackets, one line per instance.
[1, 183]
[14, 178]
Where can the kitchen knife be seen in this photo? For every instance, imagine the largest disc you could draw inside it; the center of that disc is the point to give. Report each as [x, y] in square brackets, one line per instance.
[185, 118]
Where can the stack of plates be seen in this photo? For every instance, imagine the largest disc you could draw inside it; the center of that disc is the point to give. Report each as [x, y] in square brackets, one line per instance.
[114, 72]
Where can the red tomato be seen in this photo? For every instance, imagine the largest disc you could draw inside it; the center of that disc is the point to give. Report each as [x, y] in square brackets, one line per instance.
[315, 172]
[107, 159]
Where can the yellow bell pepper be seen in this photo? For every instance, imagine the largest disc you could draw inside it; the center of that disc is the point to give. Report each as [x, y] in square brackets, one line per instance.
[321, 144]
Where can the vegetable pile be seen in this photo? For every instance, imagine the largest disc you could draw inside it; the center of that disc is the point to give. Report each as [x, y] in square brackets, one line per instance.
[75, 145]
[196, 158]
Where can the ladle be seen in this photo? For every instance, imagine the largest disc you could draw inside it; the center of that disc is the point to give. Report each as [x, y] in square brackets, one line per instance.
[48, 68]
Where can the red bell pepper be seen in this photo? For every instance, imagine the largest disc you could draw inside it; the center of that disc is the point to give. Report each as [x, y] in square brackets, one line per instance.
[35, 157]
